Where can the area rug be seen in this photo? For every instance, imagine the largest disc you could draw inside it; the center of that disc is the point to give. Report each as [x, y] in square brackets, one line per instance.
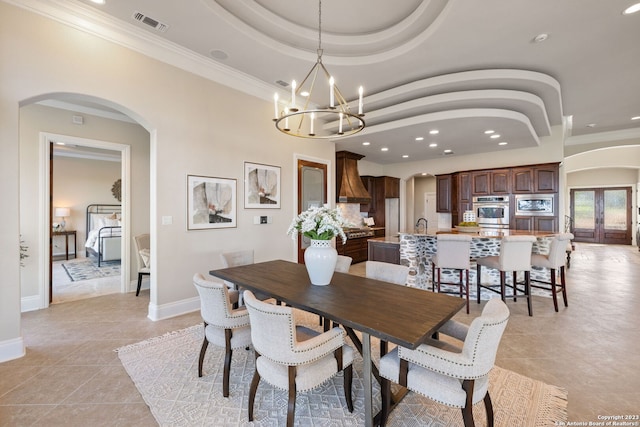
[87, 269]
[164, 369]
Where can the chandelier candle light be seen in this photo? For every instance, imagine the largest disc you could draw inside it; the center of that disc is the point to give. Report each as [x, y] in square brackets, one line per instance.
[303, 117]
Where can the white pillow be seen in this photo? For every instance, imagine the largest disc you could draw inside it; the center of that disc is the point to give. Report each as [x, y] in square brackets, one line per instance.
[108, 222]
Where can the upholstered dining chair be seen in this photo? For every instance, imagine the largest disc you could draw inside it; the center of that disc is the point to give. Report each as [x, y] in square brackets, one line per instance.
[443, 372]
[223, 326]
[236, 259]
[387, 272]
[515, 256]
[294, 358]
[452, 252]
[343, 264]
[555, 262]
[143, 258]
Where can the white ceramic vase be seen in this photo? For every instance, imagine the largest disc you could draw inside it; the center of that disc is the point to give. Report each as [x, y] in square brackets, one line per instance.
[320, 259]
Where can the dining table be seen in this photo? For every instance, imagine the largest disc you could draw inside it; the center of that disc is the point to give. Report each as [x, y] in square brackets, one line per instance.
[396, 314]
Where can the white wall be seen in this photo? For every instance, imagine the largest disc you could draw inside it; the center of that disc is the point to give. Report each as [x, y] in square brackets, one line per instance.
[196, 127]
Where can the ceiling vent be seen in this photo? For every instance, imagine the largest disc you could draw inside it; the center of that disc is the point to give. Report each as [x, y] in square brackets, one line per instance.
[156, 25]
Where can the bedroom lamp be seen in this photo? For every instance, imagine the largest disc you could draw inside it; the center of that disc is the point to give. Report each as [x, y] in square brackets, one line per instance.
[62, 213]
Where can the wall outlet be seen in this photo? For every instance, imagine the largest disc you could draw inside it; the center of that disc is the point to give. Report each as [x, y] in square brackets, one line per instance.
[263, 219]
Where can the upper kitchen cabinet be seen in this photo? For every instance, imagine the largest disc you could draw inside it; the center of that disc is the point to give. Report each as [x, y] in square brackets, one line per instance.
[444, 193]
[490, 182]
[535, 179]
[380, 188]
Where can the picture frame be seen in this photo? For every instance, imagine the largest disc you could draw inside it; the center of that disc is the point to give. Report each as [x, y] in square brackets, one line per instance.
[262, 188]
[211, 202]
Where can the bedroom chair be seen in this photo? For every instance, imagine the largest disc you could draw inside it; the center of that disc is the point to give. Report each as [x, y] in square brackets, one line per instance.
[456, 377]
[555, 262]
[387, 272]
[223, 326]
[294, 358]
[453, 252]
[515, 255]
[143, 243]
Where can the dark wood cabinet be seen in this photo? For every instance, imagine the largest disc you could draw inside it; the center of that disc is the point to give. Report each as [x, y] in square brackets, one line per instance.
[535, 179]
[534, 223]
[384, 251]
[355, 248]
[379, 188]
[454, 192]
[444, 193]
[490, 182]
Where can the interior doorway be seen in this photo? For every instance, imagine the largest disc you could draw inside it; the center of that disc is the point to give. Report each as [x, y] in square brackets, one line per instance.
[123, 152]
[602, 215]
[312, 191]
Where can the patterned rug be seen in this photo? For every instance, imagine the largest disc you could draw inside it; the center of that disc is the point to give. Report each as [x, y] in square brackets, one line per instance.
[86, 269]
[164, 369]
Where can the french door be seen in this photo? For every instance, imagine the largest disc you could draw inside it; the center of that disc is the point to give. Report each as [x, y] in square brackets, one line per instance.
[602, 215]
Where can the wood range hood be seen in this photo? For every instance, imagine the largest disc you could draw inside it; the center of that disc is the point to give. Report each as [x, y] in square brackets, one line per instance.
[349, 186]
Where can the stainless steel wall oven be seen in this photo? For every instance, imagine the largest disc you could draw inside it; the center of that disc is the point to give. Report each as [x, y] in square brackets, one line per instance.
[492, 211]
[535, 205]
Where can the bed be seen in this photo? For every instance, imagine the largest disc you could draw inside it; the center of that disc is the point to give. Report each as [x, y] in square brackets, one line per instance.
[104, 230]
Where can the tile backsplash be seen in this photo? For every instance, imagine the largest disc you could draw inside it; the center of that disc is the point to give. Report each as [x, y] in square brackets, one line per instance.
[351, 212]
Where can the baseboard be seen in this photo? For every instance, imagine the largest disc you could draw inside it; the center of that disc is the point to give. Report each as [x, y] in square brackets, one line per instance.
[11, 349]
[178, 308]
[31, 303]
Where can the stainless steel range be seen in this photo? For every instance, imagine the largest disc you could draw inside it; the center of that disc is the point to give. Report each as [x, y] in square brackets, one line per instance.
[354, 233]
[492, 211]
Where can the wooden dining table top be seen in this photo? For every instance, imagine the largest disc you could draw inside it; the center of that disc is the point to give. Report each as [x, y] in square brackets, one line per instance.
[399, 314]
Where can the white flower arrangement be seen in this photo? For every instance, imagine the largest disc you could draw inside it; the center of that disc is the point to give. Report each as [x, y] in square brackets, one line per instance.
[319, 224]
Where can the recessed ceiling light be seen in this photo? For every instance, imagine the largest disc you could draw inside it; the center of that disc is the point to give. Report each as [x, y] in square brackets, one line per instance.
[419, 138]
[434, 131]
[405, 156]
[304, 93]
[540, 37]
[423, 174]
[635, 118]
[591, 125]
[489, 132]
[366, 143]
[448, 151]
[433, 145]
[632, 9]
[384, 149]
[495, 136]
[98, 1]
[502, 143]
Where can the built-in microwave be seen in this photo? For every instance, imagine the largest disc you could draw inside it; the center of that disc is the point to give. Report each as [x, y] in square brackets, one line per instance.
[534, 204]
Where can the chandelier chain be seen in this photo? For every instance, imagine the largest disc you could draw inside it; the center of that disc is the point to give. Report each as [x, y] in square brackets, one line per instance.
[319, 30]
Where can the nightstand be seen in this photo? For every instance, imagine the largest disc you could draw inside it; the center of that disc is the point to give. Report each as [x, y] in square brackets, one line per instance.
[66, 235]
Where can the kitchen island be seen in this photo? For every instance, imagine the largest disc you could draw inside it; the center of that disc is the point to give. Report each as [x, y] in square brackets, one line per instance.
[416, 251]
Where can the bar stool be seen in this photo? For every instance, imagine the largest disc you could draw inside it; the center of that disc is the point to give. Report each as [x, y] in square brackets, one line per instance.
[554, 261]
[515, 255]
[453, 252]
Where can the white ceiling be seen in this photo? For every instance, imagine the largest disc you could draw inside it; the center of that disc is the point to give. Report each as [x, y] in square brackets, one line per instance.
[458, 66]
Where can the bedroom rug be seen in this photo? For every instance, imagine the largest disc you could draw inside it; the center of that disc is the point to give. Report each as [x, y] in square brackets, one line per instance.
[87, 269]
[164, 369]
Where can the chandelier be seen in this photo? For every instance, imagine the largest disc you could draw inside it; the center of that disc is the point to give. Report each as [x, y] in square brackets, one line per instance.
[328, 121]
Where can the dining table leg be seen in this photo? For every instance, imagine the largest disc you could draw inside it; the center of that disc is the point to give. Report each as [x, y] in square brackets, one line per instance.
[368, 386]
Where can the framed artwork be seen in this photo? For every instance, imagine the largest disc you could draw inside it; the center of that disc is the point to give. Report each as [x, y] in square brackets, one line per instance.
[261, 186]
[211, 202]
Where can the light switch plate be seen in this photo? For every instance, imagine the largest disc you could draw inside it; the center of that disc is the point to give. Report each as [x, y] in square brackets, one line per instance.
[167, 220]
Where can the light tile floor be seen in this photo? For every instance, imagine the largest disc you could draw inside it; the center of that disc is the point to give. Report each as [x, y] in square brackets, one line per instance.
[71, 376]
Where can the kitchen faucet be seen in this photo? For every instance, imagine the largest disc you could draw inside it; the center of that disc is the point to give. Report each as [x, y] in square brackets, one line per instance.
[418, 225]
